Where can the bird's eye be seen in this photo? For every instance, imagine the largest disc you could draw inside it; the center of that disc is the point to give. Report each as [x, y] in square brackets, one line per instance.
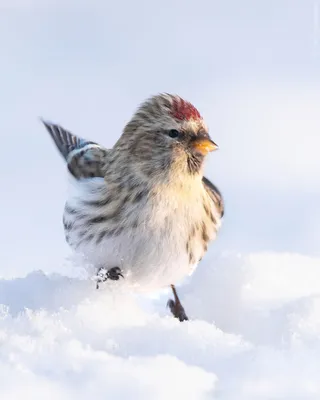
[173, 133]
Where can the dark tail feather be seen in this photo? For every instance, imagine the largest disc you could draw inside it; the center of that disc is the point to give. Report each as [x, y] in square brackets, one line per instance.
[64, 140]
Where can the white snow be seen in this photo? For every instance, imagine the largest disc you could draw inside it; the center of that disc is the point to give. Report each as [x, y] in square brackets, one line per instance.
[254, 333]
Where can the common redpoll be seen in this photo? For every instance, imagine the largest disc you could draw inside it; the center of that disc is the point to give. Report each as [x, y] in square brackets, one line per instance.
[143, 210]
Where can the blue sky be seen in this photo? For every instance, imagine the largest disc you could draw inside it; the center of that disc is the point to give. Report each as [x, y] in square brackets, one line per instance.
[252, 68]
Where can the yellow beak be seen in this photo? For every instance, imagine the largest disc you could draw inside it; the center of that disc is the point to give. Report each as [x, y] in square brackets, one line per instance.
[204, 145]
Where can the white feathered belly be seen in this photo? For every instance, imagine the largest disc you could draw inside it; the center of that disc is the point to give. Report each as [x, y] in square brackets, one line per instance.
[156, 252]
[146, 260]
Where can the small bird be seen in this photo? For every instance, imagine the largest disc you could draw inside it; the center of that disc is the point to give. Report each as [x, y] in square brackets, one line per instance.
[143, 211]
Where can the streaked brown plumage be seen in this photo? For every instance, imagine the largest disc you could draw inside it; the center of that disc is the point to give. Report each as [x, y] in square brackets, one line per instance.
[143, 206]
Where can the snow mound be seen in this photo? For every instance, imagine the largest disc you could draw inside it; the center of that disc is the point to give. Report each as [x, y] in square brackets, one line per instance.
[254, 333]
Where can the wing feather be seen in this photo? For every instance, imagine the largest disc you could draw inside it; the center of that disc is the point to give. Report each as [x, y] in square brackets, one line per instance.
[215, 195]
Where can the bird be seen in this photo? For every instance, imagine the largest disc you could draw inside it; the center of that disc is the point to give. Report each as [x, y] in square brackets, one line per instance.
[143, 211]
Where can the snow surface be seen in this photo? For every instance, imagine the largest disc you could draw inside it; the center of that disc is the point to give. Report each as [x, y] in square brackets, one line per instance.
[254, 334]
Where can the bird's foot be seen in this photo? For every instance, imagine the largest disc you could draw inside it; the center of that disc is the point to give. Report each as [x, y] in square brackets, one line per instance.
[176, 307]
[104, 274]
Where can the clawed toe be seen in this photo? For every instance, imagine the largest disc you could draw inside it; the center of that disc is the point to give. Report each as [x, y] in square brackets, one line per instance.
[177, 310]
[176, 307]
[113, 274]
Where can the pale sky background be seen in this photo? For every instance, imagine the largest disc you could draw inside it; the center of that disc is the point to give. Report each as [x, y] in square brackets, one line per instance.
[251, 67]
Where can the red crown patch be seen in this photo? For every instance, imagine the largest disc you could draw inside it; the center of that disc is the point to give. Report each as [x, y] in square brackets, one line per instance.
[183, 110]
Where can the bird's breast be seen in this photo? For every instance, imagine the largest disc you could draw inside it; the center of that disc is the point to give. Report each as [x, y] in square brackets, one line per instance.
[156, 241]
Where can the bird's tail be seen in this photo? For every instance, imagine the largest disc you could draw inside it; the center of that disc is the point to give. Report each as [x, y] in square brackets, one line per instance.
[85, 159]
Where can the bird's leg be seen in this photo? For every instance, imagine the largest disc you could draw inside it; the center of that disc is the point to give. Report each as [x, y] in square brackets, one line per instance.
[176, 306]
[105, 274]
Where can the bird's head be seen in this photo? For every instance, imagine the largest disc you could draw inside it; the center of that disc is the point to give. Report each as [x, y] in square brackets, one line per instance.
[167, 133]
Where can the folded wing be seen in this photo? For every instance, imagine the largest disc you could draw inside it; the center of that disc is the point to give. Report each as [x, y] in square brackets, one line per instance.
[215, 195]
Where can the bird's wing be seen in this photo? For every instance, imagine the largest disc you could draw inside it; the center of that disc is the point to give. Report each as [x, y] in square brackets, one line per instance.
[215, 195]
[85, 159]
